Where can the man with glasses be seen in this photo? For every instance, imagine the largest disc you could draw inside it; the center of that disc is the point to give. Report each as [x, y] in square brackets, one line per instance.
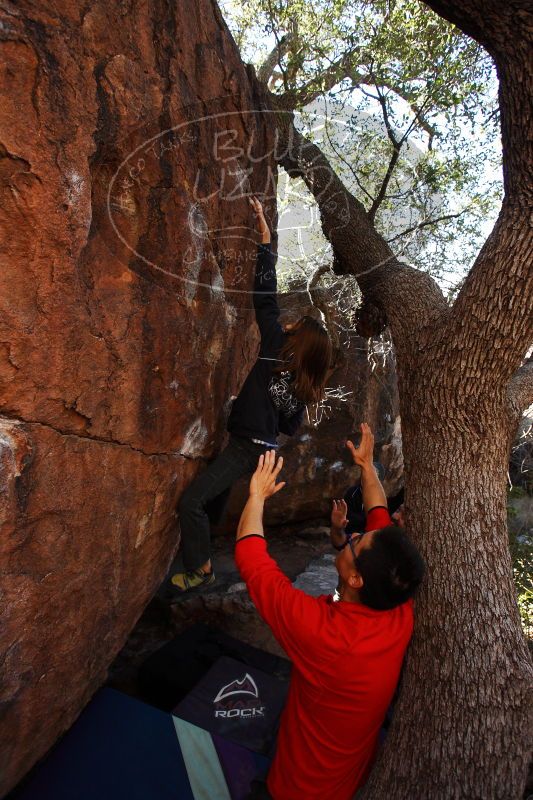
[343, 531]
[346, 655]
[348, 515]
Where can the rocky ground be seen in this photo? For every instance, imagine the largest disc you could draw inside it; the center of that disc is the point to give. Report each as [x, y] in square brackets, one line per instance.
[304, 554]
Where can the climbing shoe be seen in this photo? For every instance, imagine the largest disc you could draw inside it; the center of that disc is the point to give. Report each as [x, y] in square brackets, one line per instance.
[195, 579]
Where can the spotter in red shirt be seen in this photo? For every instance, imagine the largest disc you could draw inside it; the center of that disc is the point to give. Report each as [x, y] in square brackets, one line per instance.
[346, 664]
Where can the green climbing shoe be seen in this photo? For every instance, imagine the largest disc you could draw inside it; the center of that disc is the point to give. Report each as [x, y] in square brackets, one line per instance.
[196, 578]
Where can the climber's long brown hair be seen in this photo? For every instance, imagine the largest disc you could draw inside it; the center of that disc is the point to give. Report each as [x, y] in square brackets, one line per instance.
[307, 354]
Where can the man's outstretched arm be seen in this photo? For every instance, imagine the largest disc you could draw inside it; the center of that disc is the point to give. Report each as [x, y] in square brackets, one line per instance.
[373, 492]
[296, 619]
[262, 486]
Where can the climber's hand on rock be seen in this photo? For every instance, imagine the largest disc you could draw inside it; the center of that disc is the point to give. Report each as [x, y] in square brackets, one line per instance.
[263, 483]
[261, 221]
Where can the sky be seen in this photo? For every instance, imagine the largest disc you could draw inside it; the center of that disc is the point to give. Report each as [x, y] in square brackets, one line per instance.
[300, 235]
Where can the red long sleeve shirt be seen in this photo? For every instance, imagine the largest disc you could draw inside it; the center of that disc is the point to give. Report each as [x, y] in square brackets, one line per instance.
[346, 663]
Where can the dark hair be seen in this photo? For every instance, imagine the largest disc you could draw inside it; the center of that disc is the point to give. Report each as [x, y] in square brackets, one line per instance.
[307, 354]
[391, 568]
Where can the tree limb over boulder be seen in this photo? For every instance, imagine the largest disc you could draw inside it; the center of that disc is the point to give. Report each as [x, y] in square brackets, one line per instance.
[486, 307]
[358, 247]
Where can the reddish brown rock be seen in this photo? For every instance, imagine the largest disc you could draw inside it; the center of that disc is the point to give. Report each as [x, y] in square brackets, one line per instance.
[125, 327]
[121, 335]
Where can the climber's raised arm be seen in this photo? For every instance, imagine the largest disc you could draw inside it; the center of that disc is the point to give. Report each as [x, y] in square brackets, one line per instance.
[262, 224]
[265, 294]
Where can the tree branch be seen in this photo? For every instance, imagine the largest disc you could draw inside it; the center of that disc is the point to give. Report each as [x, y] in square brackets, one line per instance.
[521, 388]
[396, 147]
[494, 304]
[410, 299]
[505, 29]
[278, 47]
[276, 75]
[416, 109]
[427, 222]
[320, 300]
[334, 74]
[273, 59]
[317, 275]
[492, 23]
[344, 68]
[347, 164]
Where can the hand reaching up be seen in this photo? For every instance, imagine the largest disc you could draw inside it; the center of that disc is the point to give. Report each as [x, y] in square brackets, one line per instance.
[263, 483]
[339, 518]
[363, 454]
[261, 221]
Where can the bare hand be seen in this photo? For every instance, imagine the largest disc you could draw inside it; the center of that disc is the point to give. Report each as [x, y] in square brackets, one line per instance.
[260, 218]
[339, 513]
[263, 483]
[363, 454]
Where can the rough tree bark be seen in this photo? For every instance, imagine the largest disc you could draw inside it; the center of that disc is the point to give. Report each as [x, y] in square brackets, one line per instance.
[460, 726]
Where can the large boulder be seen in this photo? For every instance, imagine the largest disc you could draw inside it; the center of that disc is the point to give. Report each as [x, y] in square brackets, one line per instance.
[125, 323]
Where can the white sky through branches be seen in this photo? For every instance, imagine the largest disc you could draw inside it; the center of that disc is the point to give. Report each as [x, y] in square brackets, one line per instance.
[347, 124]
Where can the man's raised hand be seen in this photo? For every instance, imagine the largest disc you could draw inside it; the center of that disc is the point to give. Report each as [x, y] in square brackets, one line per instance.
[363, 454]
[263, 483]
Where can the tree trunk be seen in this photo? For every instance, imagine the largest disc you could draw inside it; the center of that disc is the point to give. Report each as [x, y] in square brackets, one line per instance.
[459, 728]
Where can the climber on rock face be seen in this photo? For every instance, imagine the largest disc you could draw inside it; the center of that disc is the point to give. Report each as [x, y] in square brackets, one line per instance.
[290, 372]
[346, 655]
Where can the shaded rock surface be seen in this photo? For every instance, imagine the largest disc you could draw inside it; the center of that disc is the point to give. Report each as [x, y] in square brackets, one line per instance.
[121, 334]
[319, 577]
[225, 604]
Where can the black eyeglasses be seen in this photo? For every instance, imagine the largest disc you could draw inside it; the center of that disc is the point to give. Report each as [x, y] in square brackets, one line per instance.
[350, 537]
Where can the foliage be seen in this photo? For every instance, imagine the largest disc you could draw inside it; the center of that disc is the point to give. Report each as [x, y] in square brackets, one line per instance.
[373, 77]
[520, 520]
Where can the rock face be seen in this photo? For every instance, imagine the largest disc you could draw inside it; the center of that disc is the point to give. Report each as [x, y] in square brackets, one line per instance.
[129, 136]
[125, 323]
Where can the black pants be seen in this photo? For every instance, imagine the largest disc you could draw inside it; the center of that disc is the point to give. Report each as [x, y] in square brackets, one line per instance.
[239, 458]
